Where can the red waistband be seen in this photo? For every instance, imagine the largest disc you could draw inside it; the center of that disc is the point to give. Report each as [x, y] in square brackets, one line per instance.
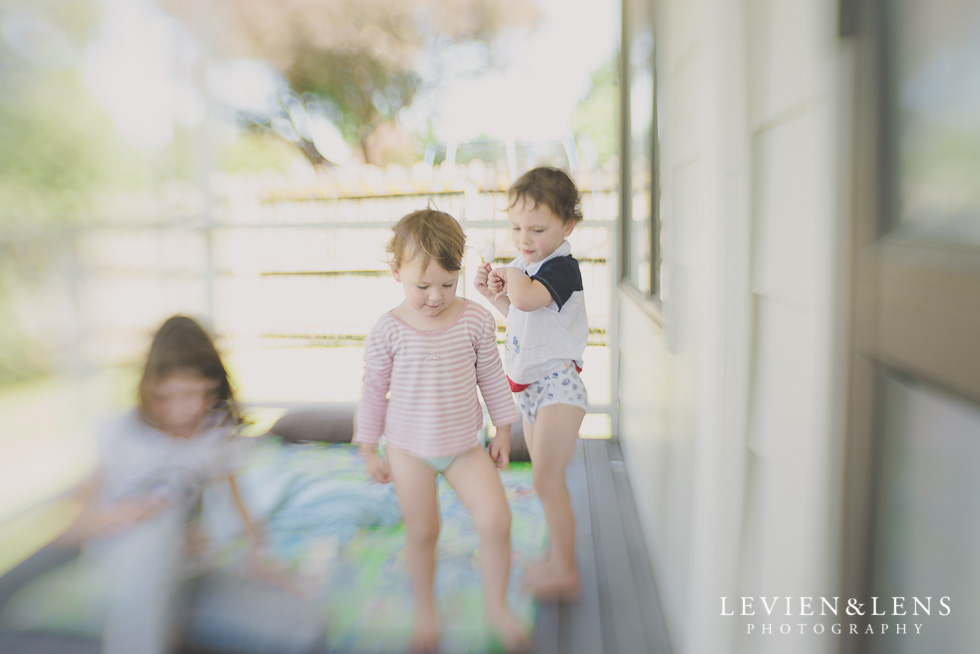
[517, 388]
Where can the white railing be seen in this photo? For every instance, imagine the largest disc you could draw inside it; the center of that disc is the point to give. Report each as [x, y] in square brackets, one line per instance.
[292, 283]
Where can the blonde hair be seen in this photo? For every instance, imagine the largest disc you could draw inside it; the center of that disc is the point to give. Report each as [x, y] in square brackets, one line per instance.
[428, 234]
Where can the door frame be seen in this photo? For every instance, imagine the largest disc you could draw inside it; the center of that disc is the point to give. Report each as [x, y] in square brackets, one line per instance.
[914, 305]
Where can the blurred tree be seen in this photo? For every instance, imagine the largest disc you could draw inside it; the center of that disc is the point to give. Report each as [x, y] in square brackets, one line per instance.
[59, 147]
[253, 152]
[356, 62]
[58, 150]
[597, 113]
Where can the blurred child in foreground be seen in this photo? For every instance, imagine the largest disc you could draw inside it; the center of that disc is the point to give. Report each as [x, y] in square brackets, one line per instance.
[141, 517]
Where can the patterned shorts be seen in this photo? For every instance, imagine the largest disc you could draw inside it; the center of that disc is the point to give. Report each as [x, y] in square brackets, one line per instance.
[562, 387]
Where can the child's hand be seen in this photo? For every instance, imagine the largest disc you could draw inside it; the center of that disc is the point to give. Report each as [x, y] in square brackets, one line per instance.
[257, 534]
[197, 540]
[376, 464]
[497, 283]
[263, 567]
[482, 275]
[500, 447]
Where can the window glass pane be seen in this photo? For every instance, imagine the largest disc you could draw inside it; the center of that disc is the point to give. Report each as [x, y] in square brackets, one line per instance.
[937, 104]
[928, 519]
[639, 229]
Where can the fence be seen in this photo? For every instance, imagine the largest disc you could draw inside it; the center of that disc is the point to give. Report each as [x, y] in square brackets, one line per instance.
[291, 282]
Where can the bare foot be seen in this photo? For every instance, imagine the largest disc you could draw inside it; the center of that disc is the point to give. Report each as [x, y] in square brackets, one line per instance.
[558, 587]
[425, 634]
[510, 631]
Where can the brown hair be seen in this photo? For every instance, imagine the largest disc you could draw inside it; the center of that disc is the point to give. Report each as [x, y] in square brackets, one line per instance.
[551, 187]
[430, 234]
[182, 346]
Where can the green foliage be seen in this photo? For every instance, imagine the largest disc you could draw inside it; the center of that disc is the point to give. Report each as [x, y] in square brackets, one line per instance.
[255, 151]
[360, 62]
[17, 362]
[60, 149]
[364, 91]
[598, 112]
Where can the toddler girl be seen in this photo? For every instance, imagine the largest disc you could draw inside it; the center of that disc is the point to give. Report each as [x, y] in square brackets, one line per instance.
[154, 463]
[423, 362]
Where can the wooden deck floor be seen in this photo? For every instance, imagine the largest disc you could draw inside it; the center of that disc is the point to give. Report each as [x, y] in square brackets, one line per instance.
[620, 611]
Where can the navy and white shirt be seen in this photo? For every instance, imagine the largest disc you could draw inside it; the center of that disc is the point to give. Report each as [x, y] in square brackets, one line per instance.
[543, 341]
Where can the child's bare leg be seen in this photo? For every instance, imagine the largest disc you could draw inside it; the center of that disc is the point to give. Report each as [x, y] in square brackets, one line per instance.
[534, 572]
[543, 569]
[415, 485]
[555, 435]
[477, 483]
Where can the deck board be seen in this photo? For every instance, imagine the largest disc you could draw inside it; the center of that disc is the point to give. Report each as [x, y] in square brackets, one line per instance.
[626, 632]
[648, 599]
[620, 611]
[584, 628]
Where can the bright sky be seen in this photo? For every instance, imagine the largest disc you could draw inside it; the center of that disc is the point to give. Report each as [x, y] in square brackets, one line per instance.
[139, 70]
[133, 71]
[535, 97]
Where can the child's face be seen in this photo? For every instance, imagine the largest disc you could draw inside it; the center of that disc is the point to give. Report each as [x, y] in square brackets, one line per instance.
[428, 291]
[536, 231]
[178, 402]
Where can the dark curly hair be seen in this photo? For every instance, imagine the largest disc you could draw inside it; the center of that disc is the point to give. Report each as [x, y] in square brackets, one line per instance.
[551, 187]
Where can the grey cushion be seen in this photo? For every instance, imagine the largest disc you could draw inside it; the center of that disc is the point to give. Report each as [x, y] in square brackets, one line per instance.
[518, 448]
[335, 424]
[330, 424]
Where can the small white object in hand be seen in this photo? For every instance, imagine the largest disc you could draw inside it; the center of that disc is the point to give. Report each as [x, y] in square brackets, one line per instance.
[489, 252]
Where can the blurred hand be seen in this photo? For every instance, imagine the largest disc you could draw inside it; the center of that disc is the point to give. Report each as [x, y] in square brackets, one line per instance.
[263, 567]
[497, 283]
[377, 465]
[482, 275]
[197, 540]
[500, 448]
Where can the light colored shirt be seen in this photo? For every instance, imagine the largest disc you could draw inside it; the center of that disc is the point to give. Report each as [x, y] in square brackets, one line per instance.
[542, 341]
[420, 387]
[138, 460]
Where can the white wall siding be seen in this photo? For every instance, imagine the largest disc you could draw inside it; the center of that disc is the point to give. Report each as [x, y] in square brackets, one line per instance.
[729, 411]
[786, 212]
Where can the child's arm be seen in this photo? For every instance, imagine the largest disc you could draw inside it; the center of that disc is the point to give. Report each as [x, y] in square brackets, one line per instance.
[96, 519]
[525, 293]
[496, 393]
[260, 563]
[251, 527]
[372, 408]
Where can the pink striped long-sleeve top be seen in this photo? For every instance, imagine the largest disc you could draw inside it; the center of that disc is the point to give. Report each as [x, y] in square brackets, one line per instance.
[420, 387]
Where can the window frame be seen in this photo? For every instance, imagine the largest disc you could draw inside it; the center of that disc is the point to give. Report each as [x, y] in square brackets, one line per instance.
[914, 311]
[630, 281]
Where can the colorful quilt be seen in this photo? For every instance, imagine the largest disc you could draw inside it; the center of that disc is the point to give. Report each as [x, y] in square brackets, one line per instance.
[341, 539]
